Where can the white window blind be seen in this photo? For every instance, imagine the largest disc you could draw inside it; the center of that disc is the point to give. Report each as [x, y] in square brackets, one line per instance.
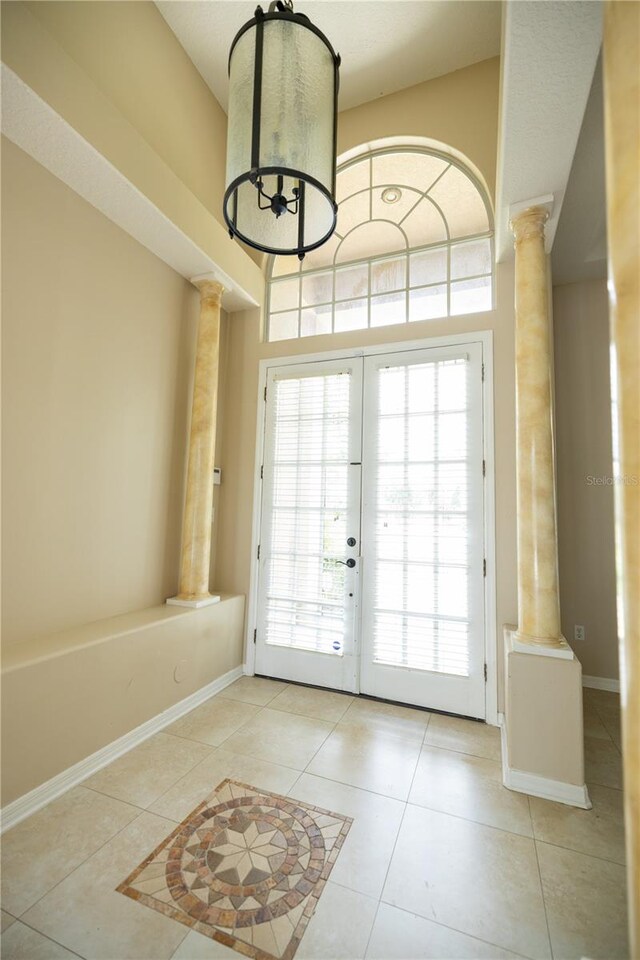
[421, 495]
[306, 501]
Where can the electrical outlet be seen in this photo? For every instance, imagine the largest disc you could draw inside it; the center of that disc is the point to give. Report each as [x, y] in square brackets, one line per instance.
[578, 632]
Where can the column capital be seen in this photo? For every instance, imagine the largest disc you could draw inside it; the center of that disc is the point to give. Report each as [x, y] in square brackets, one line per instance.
[529, 223]
[209, 289]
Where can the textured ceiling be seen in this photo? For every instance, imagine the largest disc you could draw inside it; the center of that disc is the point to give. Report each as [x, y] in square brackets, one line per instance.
[549, 58]
[385, 46]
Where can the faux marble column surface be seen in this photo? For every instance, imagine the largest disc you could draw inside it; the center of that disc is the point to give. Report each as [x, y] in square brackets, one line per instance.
[196, 530]
[621, 59]
[538, 596]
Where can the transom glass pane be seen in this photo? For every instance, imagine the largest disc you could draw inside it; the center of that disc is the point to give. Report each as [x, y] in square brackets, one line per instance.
[352, 282]
[389, 275]
[316, 320]
[350, 315]
[461, 204]
[470, 259]
[284, 295]
[428, 303]
[424, 225]
[471, 296]
[317, 288]
[418, 169]
[283, 326]
[428, 267]
[369, 240]
[389, 308]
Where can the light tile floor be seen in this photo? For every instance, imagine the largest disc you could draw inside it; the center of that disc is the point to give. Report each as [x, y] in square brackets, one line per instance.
[440, 862]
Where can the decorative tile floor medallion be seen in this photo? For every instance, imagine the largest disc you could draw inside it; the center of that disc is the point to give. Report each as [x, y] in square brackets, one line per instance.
[245, 868]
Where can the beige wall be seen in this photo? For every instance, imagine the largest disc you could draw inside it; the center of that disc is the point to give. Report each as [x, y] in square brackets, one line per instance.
[98, 352]
[459, 110]
[133, 57]
[98, 342]
[81, 691]
[116, 73]
[585, 507]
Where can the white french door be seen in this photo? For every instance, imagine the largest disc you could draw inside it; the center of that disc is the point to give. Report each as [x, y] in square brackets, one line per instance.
[371, 540]
[307, 594]
[422, 507]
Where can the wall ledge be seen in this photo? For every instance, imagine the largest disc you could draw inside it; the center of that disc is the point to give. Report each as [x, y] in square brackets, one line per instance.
[19, 655]
[174, 225]
[31, 802]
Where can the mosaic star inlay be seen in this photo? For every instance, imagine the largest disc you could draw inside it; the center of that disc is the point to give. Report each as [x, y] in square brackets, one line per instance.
[246, 868]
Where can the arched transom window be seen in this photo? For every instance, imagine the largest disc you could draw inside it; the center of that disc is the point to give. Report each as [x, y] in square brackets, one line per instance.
[413, 242]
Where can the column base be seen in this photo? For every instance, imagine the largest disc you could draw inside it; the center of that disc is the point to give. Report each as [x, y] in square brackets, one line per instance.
[542, 733]
[194, 604]
[524, 643]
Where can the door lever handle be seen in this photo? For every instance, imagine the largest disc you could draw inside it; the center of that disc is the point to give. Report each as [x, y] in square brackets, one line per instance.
[347, 563]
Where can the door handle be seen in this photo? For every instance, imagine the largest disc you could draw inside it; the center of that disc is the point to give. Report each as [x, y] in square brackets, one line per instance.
[347, 563]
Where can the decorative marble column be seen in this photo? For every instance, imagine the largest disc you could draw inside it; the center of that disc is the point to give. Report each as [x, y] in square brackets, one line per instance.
[621, 56]
[196, 527]
[538, 596]
[542, 738]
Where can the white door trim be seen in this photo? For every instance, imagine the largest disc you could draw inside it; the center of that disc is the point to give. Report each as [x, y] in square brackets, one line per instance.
[484, 337]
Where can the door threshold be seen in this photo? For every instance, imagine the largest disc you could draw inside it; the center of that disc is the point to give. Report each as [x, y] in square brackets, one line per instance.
[367, 696]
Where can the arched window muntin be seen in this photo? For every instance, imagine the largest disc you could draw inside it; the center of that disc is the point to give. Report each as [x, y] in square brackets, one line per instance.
[386, 287]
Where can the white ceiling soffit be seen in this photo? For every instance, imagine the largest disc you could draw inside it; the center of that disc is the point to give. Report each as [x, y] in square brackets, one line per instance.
[549, 54]
[37, 129]
[580, 248]
[385, 46]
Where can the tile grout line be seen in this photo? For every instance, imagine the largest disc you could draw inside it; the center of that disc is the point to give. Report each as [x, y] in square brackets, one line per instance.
[479, 823]
[46, 937]
[137, 806]
[384, 881]
[303, 716]
[580, 853]
[82, 864]
[155, 800]
[395, 843]
[544, 899]
[438, 923]
[424, 736]
[421, 806]
[604, 721]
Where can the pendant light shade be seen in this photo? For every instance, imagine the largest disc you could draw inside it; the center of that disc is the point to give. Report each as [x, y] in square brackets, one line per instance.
[281, 141]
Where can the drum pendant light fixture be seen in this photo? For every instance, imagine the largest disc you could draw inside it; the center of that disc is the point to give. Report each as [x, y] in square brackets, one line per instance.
[281, 140]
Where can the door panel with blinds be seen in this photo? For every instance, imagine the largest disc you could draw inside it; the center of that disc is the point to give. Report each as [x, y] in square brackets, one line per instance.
[308, 572]
[423, 591]
[371, 550]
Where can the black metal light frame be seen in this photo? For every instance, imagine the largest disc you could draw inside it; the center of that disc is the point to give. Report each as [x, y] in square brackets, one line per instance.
[279, 204]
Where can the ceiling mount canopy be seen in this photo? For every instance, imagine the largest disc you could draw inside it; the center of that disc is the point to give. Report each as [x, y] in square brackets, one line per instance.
[281, 141]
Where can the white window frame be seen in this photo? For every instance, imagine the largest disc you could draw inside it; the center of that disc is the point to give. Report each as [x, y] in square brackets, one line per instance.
[485, 338]
[405, 254]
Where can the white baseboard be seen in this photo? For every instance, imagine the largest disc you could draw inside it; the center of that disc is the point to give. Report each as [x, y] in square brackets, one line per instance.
[601, 683]
[535, 786]
[37, 798]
